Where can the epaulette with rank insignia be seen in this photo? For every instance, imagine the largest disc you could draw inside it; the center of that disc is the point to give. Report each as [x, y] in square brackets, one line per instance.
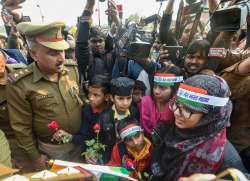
[70, 62]
[18, 74]
[13, 67]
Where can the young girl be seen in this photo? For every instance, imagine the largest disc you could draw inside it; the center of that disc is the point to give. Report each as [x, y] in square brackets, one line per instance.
[155, 108]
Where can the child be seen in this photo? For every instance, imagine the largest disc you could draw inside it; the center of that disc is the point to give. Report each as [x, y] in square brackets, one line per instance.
[121, 96]
[138, 92]
[133, 151]
[98, 96]
[155, 108]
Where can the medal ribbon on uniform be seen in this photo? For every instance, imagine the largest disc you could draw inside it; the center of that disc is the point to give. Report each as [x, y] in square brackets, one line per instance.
[164, 79]
[198, 97]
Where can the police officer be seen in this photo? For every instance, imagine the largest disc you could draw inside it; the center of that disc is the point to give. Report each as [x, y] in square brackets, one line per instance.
[44, 92]
[4, 150]
[17, 155]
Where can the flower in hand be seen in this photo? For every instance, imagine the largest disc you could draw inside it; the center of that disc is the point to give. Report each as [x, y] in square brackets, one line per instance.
[97, 128]
[62, 136]
[94, 148]
[53, 125]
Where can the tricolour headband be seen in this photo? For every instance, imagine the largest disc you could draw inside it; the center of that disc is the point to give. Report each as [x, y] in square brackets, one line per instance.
[130, 131]
[197, 97]
[164, 79]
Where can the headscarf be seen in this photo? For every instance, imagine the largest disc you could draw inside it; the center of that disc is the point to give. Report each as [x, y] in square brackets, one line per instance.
[199, 149]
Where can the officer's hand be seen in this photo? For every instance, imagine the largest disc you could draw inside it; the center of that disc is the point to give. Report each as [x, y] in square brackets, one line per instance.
[91, 160]
[198, 177]
[15, 164]
[40, 162]
[59, 135]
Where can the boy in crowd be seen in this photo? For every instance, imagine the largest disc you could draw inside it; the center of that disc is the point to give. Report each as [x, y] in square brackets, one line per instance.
[138, 92]
[121, 96]
[133, 151]
[98, 96]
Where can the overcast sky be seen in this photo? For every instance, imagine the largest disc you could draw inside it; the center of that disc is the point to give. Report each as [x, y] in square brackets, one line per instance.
[68, 10]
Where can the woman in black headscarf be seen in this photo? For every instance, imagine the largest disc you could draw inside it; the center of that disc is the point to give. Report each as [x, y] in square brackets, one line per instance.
[195, 142]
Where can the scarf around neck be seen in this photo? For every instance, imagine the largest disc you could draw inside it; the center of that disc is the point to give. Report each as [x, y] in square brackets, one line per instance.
[195, 150]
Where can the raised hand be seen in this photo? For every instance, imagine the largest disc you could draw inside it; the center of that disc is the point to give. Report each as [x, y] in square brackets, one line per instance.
[164, 54]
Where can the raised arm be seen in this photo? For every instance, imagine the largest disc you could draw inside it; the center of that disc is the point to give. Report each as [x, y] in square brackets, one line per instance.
[82, 47]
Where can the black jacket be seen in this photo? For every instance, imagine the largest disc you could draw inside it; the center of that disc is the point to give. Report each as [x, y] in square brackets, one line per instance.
[90, 64]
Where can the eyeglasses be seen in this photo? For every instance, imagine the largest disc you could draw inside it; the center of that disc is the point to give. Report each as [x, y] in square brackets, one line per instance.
[184, 111]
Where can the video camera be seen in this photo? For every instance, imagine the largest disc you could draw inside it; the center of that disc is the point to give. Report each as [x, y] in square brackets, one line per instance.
[136, 40]
[133, 33]
[231, 18]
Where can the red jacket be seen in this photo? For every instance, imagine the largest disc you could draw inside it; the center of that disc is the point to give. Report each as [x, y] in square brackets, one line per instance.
[120, 155]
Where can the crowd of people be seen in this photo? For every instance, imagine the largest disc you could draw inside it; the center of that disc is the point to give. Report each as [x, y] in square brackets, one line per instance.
[165, 105]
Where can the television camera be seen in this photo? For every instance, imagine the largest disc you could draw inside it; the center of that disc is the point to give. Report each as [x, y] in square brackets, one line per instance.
[231, 18]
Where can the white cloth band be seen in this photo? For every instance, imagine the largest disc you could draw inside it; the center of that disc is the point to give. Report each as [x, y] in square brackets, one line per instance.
[202, 98]
[129, 131]
[217, 52]
[161, 79]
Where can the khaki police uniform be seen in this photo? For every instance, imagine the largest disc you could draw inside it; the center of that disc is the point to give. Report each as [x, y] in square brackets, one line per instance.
[18, 156]
[4, 117]
[5, 158]
[34, 101]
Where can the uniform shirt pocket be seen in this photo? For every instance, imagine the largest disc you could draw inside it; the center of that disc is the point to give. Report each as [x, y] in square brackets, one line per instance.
[45, 104]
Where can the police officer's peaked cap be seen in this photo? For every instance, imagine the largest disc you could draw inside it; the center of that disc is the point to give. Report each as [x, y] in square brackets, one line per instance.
[49, 35]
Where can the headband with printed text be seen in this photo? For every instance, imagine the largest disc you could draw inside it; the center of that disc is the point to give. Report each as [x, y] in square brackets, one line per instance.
[197, 97]
[164, 79]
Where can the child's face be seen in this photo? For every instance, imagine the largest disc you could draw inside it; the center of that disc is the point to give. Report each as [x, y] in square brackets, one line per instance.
[96, 97]
[161, 93]
[137, 95]
[136, 142]
[122, 103]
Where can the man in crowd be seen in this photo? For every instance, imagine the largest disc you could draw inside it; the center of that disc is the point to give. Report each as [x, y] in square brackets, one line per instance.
[196, 59]
[45, 92]
[91, 55]
[238, 78]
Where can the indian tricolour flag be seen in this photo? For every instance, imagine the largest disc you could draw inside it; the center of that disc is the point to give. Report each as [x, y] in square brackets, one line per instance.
[102, 173]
